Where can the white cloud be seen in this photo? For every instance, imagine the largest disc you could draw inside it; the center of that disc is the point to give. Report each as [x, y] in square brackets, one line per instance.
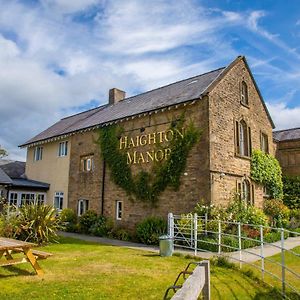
[132, 45]
[283, 116]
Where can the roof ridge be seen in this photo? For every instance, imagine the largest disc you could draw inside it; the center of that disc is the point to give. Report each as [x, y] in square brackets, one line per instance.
[295, 128]
[161, 87]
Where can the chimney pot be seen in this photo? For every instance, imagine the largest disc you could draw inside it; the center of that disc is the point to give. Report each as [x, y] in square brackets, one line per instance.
[116, 95]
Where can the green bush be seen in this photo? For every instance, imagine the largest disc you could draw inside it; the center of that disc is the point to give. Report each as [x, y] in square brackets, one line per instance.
[291, 191]
[38, 223]
[87, 220]
[69, 218]
[149, 230]
[266, 170]
[121, 234]
[274, 236]
[101, 227]
[277, 212]
[208, 243]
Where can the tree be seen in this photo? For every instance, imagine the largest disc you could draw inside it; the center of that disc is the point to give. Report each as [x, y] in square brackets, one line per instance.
[3, 152]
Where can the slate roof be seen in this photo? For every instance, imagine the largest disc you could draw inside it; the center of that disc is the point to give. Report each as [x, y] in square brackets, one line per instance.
[176, 93]
[13, 169]
[172, 94]
[4, 179]
[13, 173]
[287, 134]
[27, 183]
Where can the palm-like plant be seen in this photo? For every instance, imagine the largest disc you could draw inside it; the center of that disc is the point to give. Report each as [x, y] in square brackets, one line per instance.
[38, 223]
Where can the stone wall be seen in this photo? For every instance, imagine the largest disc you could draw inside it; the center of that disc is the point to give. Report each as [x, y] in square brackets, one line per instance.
[194, 183]
[225, 109]
[288, 154]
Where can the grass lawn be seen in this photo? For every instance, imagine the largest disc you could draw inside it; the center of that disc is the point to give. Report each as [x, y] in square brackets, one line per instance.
[291, 261]
[84, 270]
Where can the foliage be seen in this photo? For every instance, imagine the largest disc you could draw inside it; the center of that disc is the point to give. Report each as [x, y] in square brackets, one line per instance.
[101, 227]
[120, 234]
[277, 212]
[9, 223]
[69, 218]
[38, 223]
[147, 186]
[87, 220]
[149, 230]
[294, 219]
[291, 191]
[239, 211]
[3, 152]
[265, 169]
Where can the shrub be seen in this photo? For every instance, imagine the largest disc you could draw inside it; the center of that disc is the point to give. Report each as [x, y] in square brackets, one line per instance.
[274, 236]
[294, 219]
[277, 212]
[87, 220]
[291, 191]
[101, 227]
[121, 234]
[208, 243]
[149, 230]
[38, 223]
[69, 218]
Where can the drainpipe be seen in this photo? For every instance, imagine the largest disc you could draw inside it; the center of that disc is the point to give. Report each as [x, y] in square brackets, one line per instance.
[103, 186]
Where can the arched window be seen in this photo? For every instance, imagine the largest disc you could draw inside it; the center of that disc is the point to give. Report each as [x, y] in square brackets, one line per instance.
[246, 194]
[244, 93]
[243, 139]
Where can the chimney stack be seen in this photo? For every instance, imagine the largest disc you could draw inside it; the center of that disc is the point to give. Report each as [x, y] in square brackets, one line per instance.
[116, 95]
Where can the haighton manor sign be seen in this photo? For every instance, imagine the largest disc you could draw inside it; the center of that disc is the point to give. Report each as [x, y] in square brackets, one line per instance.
[159, 138]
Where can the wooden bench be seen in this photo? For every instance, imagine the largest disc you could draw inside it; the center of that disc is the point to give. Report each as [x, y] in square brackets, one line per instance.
[198, 282]
[37, 253]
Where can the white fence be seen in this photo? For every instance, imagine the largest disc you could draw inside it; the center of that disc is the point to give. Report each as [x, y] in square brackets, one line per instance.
[244, 243]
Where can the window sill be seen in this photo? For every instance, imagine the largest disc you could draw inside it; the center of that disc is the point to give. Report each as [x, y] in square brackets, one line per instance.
[243, 157]
[245, 105]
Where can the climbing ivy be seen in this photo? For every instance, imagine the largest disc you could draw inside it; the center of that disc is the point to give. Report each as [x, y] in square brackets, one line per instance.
[265, 169]
[147, 186]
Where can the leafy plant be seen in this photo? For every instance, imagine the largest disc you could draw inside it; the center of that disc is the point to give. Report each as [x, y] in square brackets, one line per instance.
[38, 223]
[149, 230]
[147, 186]
[277, 212]
[291, 191]
[87, 220]
[265, 169]
[69, 218]
[101, 227]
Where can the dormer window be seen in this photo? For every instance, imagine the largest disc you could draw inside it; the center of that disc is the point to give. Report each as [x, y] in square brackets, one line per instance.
[244, 93]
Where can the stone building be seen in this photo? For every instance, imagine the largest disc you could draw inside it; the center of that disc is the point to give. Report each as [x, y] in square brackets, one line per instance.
[225, 104]
[288, 150]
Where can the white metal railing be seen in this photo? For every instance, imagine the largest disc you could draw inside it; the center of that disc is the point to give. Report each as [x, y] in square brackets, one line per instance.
[192, 232]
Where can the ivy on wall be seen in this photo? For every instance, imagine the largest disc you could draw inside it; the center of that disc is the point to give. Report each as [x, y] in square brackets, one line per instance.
[265, 169]
[147, 186]
[291, 191]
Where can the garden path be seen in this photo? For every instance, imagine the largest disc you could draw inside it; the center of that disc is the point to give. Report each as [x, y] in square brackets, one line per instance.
[269, 250]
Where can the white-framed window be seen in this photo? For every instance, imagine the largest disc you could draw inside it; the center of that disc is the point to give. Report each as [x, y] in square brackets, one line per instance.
[119, 210]
[58, 200]
[40, 199]
[27, 198]
[13, 198]
[87, 163]
[83, 206]
[244, 93]
[63, 148]
[38, 153]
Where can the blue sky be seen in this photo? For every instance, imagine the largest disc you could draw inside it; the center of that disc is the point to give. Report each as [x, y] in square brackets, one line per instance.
[58, 57]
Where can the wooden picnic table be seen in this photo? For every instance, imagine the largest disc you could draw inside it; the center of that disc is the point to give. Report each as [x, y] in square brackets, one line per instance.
[8, 247]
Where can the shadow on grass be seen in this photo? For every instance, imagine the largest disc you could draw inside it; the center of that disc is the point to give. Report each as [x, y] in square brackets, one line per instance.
[16, 272]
